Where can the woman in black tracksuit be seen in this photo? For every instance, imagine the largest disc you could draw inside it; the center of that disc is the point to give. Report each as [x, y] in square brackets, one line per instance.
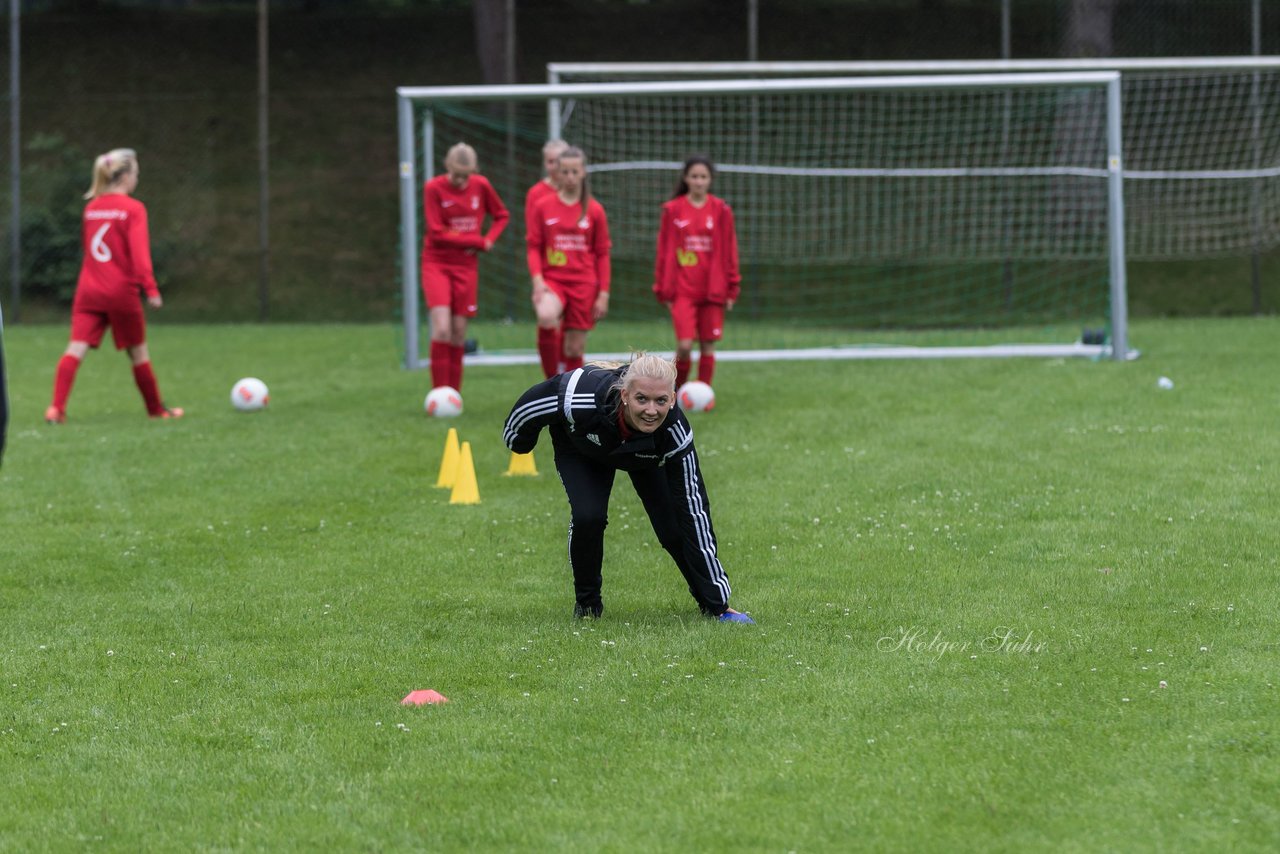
[604, 418]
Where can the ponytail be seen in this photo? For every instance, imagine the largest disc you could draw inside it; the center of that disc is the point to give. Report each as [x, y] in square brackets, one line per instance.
[109, 168]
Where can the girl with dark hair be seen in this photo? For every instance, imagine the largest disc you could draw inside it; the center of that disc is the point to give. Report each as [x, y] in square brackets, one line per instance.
[696, 273]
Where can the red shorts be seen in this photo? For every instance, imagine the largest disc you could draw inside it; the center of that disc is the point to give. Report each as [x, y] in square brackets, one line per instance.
[128, 326]
[448, 285]
[700, 321]
[579, 301]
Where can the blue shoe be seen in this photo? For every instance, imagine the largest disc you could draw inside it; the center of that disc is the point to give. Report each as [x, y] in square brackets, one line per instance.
[732, 616]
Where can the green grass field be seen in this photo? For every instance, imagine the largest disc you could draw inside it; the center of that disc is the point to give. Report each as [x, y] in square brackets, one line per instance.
[1002, 606]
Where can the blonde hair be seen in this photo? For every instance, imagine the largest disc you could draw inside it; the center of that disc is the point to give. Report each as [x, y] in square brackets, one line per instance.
[462, 156]
[642, 366]
[556, 145]
[109, 168]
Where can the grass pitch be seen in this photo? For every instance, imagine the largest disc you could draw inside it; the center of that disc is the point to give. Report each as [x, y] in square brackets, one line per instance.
[1009, 606]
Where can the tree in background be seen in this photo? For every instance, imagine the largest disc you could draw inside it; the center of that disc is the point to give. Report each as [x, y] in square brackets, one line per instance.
[493, 33]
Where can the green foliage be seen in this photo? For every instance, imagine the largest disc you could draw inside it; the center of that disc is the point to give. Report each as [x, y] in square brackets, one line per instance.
[1003, 605]
[54, 178]
[55, 174]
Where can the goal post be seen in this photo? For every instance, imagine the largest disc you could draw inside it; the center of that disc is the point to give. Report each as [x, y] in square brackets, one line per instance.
[864, 203]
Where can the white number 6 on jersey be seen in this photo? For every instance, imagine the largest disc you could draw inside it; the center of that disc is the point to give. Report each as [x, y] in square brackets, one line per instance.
[100, 250]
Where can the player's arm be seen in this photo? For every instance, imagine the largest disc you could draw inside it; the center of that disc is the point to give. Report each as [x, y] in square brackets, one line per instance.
[537, 408]
[604, 269]
[660, 285]
[140, 253]
[601, 247]
[535, 240]
[530, 212]
[498, 214]
[729, 234]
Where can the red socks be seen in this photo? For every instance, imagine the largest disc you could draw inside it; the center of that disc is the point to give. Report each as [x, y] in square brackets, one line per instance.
[682, 370]
[441, 363]
[63, 380]
[146, 380]
[446, 365]
[549, 351]
[572, 363]
[455, 365]
[706, 367]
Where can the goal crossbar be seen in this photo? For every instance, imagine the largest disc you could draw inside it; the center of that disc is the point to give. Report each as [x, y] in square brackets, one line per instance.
[685, 70]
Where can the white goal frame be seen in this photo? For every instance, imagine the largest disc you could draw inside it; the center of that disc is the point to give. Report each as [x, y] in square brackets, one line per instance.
[411, 137]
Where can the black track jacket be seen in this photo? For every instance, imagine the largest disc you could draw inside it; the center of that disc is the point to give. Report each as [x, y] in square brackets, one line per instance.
[583, 403]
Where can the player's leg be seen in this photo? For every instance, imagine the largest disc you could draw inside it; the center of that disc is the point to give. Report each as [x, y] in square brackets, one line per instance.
[441, 320]
[710, 329]
[87, 329]
[578, 321]
[458, 349]
[437, 290]
[549, 310]
[575, 348]
[684, 319]
[587, 485]
[130, 332]
[694, 549]
[465, 304]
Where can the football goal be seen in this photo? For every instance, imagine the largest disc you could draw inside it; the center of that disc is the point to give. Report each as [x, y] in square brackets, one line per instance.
[878, 216]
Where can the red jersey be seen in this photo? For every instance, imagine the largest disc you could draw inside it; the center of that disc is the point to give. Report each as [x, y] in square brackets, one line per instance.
[697, 252]
[566, 246]
[454, 218]
[537, 193]
[117, 253]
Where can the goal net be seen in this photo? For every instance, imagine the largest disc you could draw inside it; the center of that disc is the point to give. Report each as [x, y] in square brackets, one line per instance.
[936, 214]
[1201, 137]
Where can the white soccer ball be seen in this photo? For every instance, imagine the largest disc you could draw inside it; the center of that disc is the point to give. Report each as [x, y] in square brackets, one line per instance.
[249, 395]
[443, 402]
[696, 396]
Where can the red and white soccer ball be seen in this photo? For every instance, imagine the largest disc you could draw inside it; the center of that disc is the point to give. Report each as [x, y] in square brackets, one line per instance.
[695, 396]
[249, 395]
[443, 402]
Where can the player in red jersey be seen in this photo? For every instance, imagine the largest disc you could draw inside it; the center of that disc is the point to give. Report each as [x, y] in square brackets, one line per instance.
[568, 246]
[115, 272]
[455, 205]
[696, 273]
[545, 187]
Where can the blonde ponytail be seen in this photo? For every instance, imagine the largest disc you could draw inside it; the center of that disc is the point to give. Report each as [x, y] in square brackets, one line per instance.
[109, 168]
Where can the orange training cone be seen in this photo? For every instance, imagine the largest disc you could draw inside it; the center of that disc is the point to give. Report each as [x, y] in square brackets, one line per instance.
[465, 490]
[420, 698]
[522, 464]
[449, 463]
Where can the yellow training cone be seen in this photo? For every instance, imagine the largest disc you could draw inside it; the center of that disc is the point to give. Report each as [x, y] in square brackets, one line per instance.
[465, 490]
[522, 464]
[449, 463]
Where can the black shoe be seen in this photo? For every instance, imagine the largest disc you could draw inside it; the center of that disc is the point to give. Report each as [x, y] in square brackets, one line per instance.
[581, 611]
